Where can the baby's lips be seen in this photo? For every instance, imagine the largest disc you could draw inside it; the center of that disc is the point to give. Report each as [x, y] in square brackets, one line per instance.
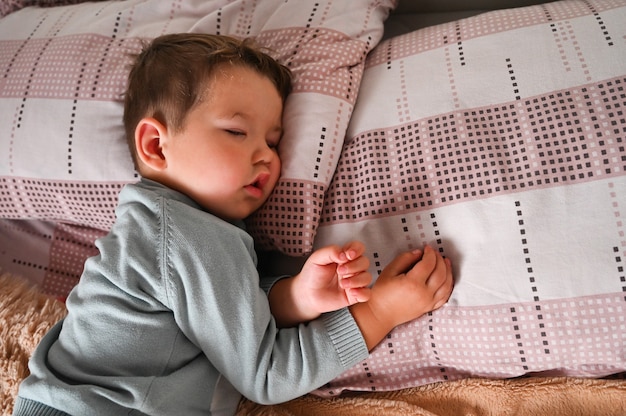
[262, 180]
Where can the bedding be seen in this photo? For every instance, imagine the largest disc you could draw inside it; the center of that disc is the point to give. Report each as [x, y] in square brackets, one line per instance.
[26, 315]
[63, 156]
[9, 6]
[498, 138]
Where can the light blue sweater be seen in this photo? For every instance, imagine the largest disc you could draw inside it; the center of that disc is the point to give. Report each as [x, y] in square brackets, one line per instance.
[169, 315]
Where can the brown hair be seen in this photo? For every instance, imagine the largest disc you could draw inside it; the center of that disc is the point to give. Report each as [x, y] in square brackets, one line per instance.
[169, 77]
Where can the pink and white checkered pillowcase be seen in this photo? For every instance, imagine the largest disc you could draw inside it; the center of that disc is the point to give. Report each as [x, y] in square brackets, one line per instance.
[10, 6]
[50, 255]
[63, 156]
[500, 140]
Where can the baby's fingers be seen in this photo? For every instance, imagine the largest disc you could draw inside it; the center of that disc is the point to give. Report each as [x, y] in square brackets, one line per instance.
[353, 250]
[361, 279]
[358, 295]
[358, 265]
[444, 291]
[439, 274]
[426, 266]
[401, 263]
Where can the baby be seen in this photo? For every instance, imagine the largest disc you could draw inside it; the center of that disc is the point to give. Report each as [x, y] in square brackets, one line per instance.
[172, 318]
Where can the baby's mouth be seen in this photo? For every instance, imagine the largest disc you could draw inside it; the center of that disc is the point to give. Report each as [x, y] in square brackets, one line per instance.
[259, 183]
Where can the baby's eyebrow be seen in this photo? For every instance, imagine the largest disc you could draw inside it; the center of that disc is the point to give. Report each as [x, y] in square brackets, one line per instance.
[244, 116]
[237, 114]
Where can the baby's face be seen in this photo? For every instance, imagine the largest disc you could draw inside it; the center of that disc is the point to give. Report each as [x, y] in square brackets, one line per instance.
[225, 156]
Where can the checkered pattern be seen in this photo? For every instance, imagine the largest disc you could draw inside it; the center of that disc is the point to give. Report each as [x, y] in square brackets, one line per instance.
[500, 140]
[63, 155]
[578, 337]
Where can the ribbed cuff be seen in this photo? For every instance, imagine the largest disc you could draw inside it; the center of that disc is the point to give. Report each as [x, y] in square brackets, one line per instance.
[267, 282]
[27, 407]
[346, 337]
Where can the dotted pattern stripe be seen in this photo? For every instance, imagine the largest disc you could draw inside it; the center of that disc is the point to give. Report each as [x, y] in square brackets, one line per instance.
[618, 196]
[447, 168]
[64, 72]
[89, 204]
[293, 221]
[51, 255]
[488, 24]
[10, 6]
[532, 280]
[596, 14]
[313, 54]
[45, 68]
[500, 140]
[586, 337]
[561, 138]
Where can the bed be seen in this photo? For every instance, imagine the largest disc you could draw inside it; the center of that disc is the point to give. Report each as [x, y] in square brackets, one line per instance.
[493, 131]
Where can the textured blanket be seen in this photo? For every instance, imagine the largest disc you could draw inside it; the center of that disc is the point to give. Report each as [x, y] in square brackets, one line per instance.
[26, 315]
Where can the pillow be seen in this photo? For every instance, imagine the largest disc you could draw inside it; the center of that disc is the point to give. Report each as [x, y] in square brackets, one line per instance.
[9, 6]
[500, 141]
[63, 155]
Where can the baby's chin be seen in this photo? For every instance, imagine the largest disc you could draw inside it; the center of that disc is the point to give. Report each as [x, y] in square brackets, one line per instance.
[239, 215]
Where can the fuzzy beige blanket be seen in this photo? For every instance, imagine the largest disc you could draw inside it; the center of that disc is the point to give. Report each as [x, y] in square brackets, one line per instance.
[26, 315]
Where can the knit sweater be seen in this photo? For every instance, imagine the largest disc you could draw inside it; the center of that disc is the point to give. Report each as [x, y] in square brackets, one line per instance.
[171, 318]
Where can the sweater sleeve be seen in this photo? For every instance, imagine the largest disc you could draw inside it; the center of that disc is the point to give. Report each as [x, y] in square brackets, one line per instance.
[214, 291]
[267, 282]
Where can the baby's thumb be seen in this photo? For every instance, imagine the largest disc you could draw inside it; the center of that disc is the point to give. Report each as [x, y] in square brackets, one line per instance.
[328, 255]
[403, 262]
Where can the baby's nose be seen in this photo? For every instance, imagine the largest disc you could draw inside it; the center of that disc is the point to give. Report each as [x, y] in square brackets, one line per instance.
[264, 153]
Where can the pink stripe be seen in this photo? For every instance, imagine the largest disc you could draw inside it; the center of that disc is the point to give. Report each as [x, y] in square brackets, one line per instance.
[323, 61]
[50, 255]
[69, 67]
[289, 218]
[86, 203]
[435, 166]
[482, 25]
[94, 67]
[581, 336]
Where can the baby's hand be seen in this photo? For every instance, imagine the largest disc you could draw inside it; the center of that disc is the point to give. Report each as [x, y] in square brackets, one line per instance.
[413, 284]
[334, 277]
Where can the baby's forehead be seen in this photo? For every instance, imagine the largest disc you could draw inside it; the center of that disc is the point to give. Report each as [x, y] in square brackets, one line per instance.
[229, 71]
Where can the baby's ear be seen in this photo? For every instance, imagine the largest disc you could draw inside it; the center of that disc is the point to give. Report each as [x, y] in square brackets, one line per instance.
[148, 136]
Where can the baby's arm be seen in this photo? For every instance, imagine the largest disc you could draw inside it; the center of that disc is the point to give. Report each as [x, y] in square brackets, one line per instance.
[332, 278]
[410, 286]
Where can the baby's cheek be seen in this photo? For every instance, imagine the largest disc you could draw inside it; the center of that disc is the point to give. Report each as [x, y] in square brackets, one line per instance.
[275, 170]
